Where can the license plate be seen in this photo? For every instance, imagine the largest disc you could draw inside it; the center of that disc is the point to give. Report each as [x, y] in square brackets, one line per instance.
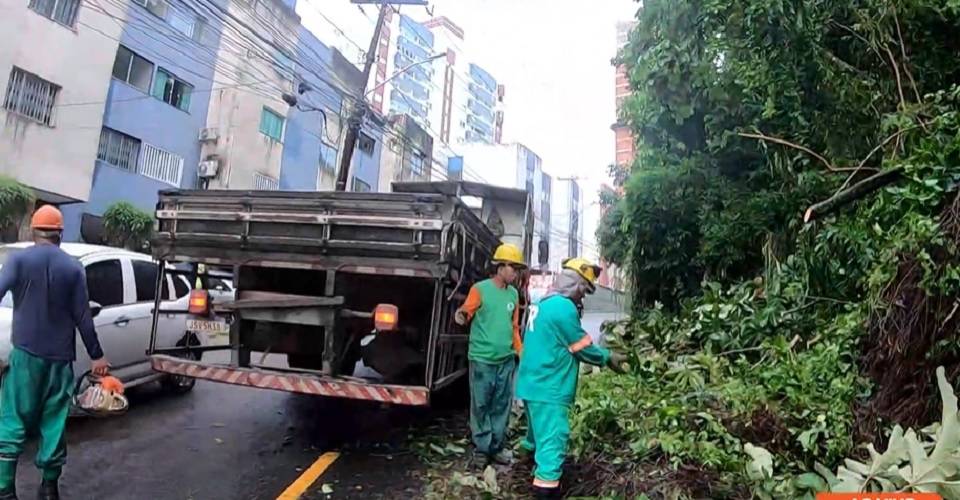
[203, 326]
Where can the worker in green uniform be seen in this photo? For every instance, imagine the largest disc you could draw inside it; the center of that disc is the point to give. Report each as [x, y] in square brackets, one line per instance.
[493, 310]
[50, 305]
[554, 345]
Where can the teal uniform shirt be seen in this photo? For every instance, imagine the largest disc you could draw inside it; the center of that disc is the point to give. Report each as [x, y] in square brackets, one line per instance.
[495, 312]
[553, 346]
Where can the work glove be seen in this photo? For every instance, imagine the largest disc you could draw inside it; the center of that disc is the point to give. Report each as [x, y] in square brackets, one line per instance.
[617, 362]
[461, 317]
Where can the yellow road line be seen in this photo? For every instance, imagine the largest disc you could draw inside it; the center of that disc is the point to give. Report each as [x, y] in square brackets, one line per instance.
[309, 476]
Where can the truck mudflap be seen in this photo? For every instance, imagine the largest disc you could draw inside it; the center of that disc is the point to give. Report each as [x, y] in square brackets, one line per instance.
[303, 383]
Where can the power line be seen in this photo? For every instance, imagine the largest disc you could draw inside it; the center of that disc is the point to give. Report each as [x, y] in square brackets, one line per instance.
[102, 11]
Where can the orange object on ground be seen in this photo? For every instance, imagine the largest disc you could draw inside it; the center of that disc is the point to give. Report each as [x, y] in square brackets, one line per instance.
[47, 218]
[112, 384]
[878, 496]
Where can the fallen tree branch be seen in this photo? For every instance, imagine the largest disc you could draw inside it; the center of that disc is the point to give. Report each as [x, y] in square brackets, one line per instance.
[853, 193]
[805, 149]
[873, 151]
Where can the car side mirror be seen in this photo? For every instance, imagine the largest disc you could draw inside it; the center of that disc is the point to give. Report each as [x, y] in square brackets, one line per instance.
[95, 309]
[220, 288]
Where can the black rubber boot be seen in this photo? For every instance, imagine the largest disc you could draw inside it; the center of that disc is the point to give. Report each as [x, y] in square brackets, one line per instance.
[9, 494]
[541, 493]
[49, 491]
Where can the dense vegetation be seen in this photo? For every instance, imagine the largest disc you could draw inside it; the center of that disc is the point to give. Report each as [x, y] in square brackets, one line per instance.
[127, 226]
[16, 201]
[759, 339]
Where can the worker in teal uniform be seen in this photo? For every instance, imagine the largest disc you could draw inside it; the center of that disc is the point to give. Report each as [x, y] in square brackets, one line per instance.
[50, 306]
[553, 347]
[493, 310]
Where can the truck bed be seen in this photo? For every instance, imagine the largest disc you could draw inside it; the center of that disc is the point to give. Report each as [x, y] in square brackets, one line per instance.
[423, 234]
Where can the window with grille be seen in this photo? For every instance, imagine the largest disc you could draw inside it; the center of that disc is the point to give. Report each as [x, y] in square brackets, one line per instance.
[160, 165]
[271, 124]
[61, 11]
[30, 96]
[133, 69]
[172, 90]
[265, 182]
[118, 149]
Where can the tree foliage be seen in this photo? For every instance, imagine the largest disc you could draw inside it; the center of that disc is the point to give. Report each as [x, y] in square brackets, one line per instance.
[703, 199]
[15, 203]
[752, 327]
[127, 226]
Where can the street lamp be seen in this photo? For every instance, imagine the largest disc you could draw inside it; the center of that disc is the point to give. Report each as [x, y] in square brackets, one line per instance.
[404, 70]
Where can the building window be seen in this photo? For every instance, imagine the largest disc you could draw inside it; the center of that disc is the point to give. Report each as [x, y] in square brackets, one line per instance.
[133, 69]
[30, 96]
[360, 186]
[271, 124]
[172, 90]
[366, 144]
[328, 157]
[416, 164]
[265, 182]
[160, 165]
[185, 21]
[156, 7]
[61, 11]
[118, 149]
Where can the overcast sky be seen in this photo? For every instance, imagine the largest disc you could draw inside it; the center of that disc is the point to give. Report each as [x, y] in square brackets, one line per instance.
[553, 56]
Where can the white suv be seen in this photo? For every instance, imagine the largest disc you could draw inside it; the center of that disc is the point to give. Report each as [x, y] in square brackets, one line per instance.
[121, 285]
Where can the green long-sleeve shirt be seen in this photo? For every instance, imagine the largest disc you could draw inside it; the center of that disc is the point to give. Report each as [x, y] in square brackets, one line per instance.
[553, 346]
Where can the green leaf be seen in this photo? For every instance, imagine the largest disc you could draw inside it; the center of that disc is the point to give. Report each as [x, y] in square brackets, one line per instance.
[761, 463]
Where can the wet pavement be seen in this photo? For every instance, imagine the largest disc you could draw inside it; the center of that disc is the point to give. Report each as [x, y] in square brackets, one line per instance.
[232, 443]
[229, 442]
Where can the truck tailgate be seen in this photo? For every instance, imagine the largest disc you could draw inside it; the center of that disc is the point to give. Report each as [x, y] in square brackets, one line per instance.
[303, 383]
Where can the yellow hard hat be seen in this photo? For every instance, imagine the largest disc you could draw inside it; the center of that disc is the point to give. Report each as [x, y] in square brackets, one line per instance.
[509, 254]
[588, 270]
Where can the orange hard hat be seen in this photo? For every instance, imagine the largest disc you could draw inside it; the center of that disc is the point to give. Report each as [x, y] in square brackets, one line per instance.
[112, 384]
[47, 218]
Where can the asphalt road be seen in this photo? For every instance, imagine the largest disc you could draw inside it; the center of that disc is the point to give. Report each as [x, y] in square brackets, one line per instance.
[229, 442]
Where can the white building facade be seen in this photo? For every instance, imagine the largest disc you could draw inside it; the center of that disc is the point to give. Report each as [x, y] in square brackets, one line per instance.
[246, 121]
[55, 66]
[517, 166]
[566, 235]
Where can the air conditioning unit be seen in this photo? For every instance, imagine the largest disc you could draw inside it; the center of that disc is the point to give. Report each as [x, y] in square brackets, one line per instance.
[209, 135]
[208, 169]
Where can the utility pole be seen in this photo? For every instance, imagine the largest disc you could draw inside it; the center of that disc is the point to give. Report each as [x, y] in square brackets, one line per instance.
[355, 120]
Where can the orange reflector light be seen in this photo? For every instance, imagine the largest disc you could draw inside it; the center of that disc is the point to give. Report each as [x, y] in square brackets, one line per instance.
[385, 317]
[199, 302]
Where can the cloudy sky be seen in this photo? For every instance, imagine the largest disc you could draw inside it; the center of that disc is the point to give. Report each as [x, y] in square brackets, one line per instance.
[553, 56]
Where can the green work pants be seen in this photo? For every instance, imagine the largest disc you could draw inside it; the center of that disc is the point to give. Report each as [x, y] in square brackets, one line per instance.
[34, 399]
[491, 395]
[548, 430]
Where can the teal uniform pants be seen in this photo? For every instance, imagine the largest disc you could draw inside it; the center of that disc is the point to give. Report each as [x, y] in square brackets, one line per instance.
[34, 400]
[491, 396]
[548, 430]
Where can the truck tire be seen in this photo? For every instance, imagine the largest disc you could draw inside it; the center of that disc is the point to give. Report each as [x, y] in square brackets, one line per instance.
[455, 396]
[179, 384]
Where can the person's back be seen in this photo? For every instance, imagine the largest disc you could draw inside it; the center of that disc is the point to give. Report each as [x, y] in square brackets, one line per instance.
[44, 301]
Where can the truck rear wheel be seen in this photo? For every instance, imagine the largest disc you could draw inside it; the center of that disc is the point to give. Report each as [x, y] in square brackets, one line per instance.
[180, 384]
